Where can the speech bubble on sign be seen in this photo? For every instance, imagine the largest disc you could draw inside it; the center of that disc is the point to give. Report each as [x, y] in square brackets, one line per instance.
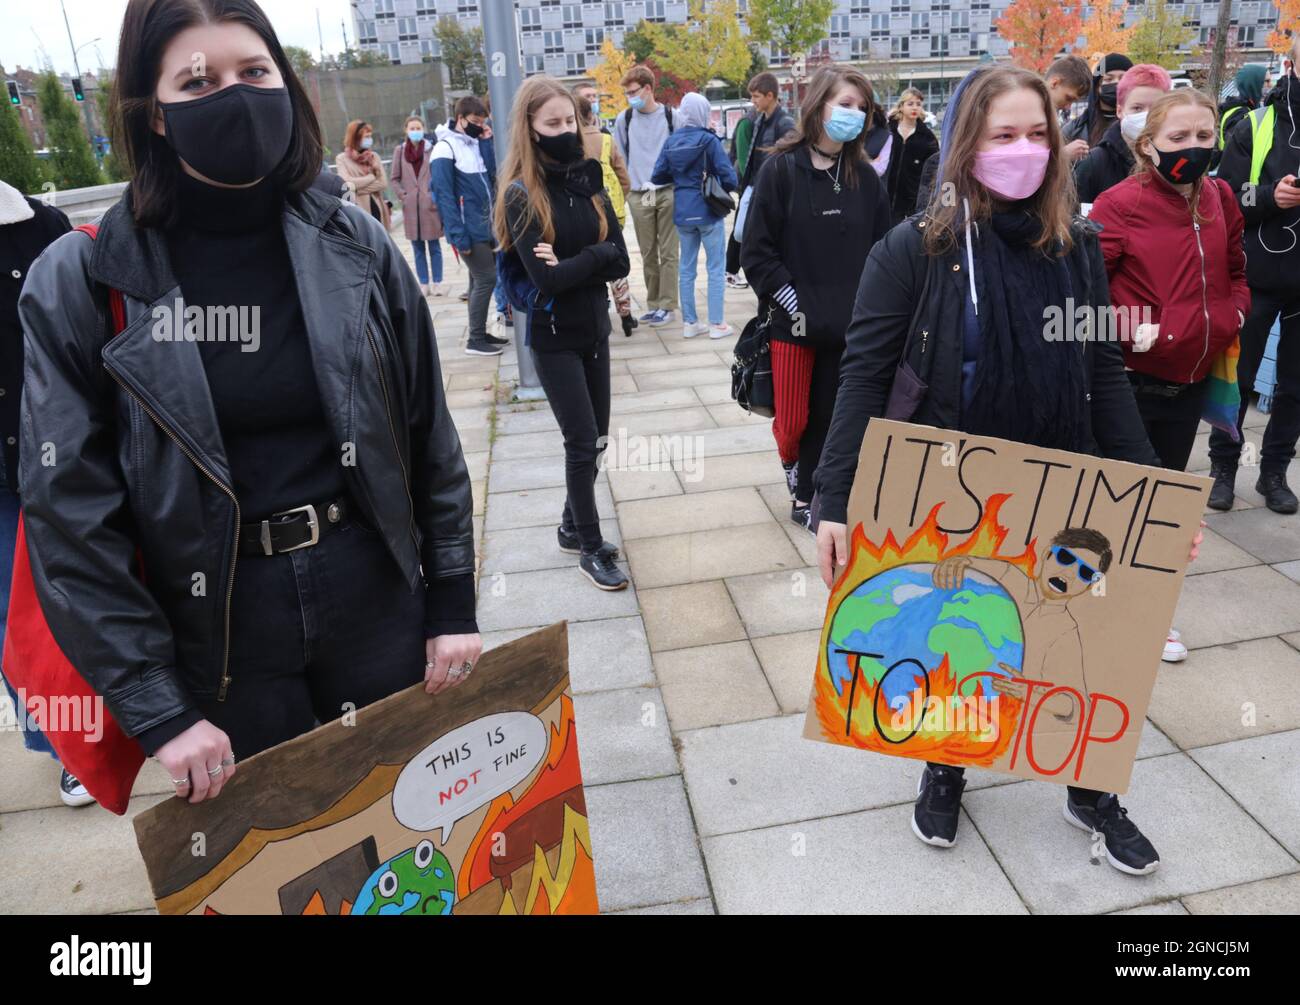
[466, 768]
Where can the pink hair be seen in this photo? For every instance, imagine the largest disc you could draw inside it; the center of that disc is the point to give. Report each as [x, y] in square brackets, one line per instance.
[1142, 75]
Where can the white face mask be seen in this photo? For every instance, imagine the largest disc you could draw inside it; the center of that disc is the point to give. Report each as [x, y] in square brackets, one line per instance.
[1131, 126]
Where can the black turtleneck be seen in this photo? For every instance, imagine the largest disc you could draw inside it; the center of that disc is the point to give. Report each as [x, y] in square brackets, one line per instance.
[229, 251]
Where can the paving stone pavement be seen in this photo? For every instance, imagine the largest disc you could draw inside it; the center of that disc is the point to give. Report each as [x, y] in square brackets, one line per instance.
[690, 689]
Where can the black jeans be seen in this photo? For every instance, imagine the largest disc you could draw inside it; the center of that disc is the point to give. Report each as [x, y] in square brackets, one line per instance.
[1284, 420]
[315, 633]
[821, 406]
[577, 386]
[1171, 422]
[1087, 797]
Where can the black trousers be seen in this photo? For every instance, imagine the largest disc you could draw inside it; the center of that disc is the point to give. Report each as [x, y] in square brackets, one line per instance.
[315, 633]
[733, 253]
[1088, 797]
[821, 406]
[1284, 420]
[1171, 422]
[577, 386]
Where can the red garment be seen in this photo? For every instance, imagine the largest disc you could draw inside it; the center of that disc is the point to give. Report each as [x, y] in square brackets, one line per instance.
[87, 740]
[414, 153]
[792, 370]
[1154, 260]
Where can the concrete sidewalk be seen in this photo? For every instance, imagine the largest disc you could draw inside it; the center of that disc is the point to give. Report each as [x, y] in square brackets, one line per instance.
[691, 685]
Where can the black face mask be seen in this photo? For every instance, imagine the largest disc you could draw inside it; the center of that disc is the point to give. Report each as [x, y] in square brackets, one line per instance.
[1108, 96]
[566, 148]
[235, 136]
[1181, 167]
[473, 130]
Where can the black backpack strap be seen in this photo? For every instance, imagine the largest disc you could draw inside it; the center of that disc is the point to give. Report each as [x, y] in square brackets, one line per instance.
[668, 114]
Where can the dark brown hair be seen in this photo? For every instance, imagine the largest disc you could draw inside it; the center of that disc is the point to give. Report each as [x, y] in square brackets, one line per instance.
[956, 185]
[147, 28]
[763, 83]
[470, 105]
[810, 129]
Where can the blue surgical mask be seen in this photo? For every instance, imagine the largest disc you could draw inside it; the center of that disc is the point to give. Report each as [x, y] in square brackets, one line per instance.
[845, 124]
[367, 143]
[637, 103]
[595, 108]
[415, 135]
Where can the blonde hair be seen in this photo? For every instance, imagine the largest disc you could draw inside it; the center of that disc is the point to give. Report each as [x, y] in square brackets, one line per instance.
[522, 163]
[1052, 204]
[1143, 165]
[896, 113]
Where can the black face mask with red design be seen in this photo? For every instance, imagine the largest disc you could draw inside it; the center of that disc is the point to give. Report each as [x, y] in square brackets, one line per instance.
[1182, 167]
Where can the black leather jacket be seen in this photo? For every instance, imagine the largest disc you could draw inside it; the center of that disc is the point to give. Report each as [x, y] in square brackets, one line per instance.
[122, 455]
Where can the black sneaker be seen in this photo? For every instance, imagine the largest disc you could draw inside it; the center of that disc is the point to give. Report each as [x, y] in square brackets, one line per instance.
[72, 792]
[570, 543]
[482, 347]
[629, 322]
[801, 516]
[938, 805]
[1224, 491]
[496, 340]
[1277, 495]
[1126, 848]
[601, 570]
[791, 477]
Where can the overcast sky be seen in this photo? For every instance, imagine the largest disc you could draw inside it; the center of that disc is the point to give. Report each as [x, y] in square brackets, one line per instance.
[30, 25]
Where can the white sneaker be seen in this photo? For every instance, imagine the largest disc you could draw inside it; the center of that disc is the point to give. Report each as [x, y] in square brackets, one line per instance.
[72, 792]
[694, 328]
[720, 331]
[1175, 651]
[437, 289]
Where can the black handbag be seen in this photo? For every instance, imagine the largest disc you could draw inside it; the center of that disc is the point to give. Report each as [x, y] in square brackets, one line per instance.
[909, 388]
[717, 198]
[751, 370]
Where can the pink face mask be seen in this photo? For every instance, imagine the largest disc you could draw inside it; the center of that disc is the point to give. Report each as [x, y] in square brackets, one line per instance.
[1013, 171]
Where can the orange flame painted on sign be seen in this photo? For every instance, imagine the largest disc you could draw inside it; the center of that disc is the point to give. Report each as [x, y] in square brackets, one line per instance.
[850, 718]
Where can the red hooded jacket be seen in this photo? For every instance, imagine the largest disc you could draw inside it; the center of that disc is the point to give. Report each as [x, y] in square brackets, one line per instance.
[1192, 275]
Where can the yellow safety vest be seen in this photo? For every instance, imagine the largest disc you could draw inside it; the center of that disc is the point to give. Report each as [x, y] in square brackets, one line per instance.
[612, 185]
[1261, 139]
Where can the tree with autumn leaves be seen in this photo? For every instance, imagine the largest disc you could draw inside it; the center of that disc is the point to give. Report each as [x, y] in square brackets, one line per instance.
[1288, 25]
[1104, 32]
[1038, 30]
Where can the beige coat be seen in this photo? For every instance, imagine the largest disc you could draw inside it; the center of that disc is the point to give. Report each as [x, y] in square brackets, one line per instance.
[368, 181]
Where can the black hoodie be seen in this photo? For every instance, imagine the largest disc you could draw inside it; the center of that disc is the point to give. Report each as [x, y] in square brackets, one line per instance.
[1107, 164]
[1272, 242]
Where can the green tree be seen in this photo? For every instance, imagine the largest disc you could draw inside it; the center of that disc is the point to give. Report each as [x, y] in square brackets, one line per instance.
[71, 163]
[638, 43]
[462, 53]
[793, 25]
[113, 169]
[18, 165]
[302, 61]
[1159, 35]
[710, 44]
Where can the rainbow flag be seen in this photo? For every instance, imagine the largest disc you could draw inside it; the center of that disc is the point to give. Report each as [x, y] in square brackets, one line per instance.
[1222, 395]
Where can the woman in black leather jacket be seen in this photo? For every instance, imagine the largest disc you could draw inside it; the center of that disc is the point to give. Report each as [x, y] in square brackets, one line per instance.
[249, 511]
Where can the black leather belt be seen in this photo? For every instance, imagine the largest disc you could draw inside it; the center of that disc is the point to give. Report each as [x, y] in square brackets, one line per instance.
[1142, 384]
[300, 527]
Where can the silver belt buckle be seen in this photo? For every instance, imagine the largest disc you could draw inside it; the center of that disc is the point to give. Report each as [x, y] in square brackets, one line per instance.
[313, 521]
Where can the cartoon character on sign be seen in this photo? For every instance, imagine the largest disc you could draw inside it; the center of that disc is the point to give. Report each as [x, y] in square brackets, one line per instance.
[418, 881]
[1072, 566]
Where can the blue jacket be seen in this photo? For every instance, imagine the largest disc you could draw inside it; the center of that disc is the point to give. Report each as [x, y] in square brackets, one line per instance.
[462, 187]
[682, 161]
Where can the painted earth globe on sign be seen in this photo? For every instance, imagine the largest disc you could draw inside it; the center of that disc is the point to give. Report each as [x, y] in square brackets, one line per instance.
[902, 615]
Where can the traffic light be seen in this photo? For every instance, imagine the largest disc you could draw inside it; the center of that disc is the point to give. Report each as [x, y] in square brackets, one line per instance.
[77, 92]
[14, 97]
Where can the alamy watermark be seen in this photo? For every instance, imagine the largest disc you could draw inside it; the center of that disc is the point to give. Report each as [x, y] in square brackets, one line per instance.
[230, 323]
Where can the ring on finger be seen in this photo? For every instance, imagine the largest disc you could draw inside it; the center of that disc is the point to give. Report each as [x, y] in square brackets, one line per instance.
[213, 772]
[181, 781]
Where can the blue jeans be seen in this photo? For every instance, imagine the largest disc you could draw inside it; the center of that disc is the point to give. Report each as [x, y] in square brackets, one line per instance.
[499, 294]
[422, 263]
[33, 738]
[714, 238]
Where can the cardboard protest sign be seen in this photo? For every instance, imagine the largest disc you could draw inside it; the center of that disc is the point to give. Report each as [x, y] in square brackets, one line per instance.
[1003, 606]
[467, 802]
